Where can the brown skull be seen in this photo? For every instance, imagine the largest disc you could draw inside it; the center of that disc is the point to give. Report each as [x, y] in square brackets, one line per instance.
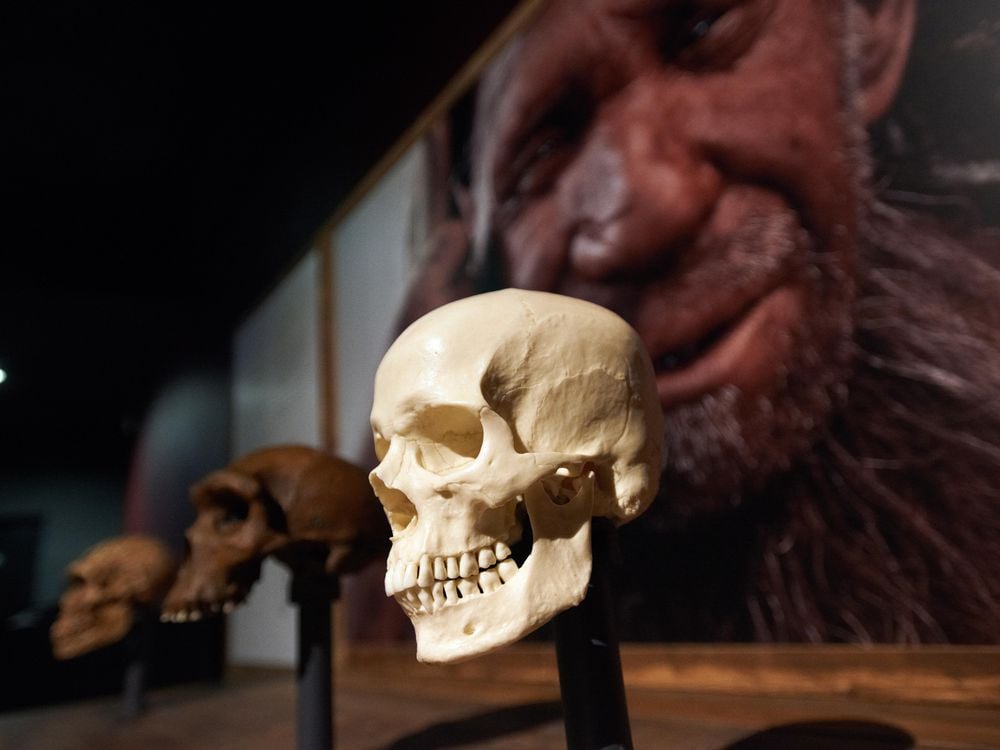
[315, 513]
[105, 587]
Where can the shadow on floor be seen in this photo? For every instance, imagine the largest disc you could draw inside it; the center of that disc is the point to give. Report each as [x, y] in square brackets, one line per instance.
[828, 735]
[484, 726]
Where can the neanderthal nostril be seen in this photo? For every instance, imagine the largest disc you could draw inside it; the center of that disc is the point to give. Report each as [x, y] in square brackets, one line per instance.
[634, 204]
[591, 255]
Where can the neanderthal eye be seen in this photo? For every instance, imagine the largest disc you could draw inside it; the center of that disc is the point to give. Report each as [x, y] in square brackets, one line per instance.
[544, 149]
[685, 28]
[710, 38]
[700, 28]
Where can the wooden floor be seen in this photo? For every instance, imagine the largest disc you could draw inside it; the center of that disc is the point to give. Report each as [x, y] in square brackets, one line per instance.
[255, 709]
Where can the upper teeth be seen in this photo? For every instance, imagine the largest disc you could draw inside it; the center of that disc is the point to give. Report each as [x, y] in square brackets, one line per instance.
[198, 611]
[434, 582]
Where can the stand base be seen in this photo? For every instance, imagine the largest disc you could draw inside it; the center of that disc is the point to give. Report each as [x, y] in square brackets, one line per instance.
[137, 647]
[314, 679]
[590, 671]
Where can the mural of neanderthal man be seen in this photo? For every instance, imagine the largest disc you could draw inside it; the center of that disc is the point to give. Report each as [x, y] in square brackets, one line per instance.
[828, 365]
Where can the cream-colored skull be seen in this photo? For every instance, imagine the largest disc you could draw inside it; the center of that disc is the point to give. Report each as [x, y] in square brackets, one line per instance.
[486, 408]
[105, 587]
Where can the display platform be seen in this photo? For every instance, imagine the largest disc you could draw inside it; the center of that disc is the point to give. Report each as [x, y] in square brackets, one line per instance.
[684, 698]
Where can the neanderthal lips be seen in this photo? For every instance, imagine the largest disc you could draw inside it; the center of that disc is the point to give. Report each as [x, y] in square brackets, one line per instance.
[744, 350]
[681, 358]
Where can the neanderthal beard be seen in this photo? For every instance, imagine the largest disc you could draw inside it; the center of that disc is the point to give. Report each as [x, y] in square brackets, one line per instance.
[888, 528]
[895, 515]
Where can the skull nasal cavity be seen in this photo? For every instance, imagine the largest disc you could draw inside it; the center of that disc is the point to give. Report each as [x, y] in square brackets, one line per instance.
[397, 506]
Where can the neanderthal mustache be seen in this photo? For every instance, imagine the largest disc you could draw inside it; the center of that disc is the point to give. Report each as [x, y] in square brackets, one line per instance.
[766, 249]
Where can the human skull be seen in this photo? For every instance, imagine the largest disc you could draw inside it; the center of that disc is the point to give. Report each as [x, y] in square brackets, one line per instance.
[106, 585]
[491, 408]
[313, 512]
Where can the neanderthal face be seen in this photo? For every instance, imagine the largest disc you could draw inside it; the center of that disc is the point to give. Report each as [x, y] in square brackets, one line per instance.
[694, 167]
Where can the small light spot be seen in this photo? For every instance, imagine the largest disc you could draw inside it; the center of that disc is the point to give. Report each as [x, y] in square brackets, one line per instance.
[3, 374]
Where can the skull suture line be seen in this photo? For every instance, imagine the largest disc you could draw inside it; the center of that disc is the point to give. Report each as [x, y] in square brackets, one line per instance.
[106, 586]
[490, 407]
[313, 512]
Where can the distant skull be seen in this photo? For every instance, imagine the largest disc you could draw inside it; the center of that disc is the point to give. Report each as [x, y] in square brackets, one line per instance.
[495, 407]
[105, 587]
[313, 512]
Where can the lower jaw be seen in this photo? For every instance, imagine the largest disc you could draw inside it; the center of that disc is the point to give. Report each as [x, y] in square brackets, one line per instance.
[72, 648]
[554, 577]
[71, 645]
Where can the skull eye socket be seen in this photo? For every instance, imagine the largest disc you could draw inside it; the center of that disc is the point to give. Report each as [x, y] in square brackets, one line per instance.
[231, 510]
[448, 438]
[381, 446]
[397, 506]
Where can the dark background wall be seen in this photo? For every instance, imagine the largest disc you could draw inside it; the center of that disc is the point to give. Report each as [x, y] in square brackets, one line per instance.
[161, 165]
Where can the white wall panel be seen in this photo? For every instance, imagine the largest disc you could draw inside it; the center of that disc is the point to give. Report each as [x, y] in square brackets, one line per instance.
[372, 262]
[275, 401]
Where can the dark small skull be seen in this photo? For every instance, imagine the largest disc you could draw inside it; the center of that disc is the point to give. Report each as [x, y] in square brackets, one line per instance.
[313, 512]
[106, 585]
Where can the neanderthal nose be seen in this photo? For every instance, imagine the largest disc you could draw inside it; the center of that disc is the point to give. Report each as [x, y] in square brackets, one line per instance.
[633, 208]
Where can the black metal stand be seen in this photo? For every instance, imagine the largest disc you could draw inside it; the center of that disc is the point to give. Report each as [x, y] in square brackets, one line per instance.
[590, 670]
[137, 645]
[314, 720]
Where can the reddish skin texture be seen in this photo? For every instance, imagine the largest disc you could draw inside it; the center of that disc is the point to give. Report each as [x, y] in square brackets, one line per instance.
[688, 166]
[831, 467]
[673, 160]
[314, 512]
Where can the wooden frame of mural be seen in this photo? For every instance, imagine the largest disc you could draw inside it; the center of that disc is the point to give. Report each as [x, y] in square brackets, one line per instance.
[949, 676]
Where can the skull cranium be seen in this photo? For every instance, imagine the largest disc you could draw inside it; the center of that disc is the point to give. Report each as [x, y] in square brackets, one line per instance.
[105, 587]
[313, 512]
[486, 408]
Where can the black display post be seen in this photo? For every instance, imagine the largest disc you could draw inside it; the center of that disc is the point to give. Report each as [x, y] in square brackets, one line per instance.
[314, 596]
[137, 646]
[590, 670]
